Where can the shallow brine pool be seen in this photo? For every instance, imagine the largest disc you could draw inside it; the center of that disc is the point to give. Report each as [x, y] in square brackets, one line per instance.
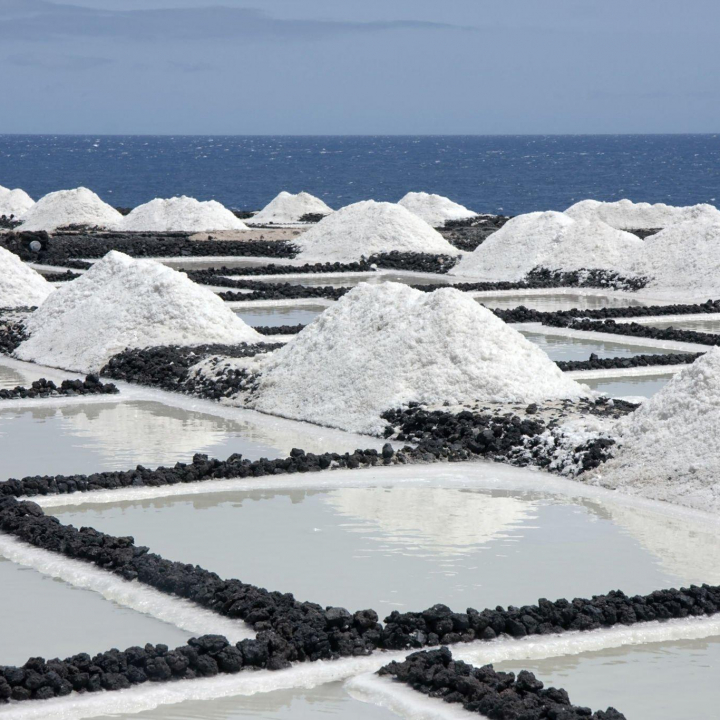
[404, 548]
[351, 280]
[642, 386]
[662, 681]
[706, 326]
[115, 435]
[41, 616]
[559, 347]
[329, 700]
[279, 315]
[558, 301]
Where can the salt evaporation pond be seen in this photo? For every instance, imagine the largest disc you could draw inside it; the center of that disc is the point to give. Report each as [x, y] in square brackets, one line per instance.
[706, 326]
[559, 347]
[41, 616]
[279, 315]
[81, 437]
[559, 301]
[662, 681]
[350, 279]
[322, 701]
[641, 386]
[403, 548]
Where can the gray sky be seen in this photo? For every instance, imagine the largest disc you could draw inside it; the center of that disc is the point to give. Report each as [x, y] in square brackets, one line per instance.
[359, 66]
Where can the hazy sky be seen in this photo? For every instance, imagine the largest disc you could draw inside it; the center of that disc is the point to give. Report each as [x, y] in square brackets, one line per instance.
[359, 66]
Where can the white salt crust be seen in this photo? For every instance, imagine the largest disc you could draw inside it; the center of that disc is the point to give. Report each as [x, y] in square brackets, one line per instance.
[70, 207]
[627, 215]
[669, 448]
[435, 210]
[20, 285]
[125, 303]
[14, 203]
[180, 214]
[684, 258]
[370, 227]
[551, 240]
[383, 346]
[286, 209]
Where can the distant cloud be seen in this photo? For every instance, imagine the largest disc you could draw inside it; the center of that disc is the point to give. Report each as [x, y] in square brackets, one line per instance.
[42, 20]
[57, 62]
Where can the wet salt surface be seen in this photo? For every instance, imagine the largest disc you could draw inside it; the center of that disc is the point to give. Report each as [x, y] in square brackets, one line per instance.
[662, 681]
[292, 704]
[40, 616]
[645, 386]
[85, 438]
[280, 315]
[559, 301]
[404, 548]
[569, 348]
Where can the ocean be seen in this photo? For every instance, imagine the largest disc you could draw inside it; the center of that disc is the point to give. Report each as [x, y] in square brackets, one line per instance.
[493, 174]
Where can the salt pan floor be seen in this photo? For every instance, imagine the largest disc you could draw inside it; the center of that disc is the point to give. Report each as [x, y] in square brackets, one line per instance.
[41, 616]
[115, 435]
[406, 548]
[706, 326]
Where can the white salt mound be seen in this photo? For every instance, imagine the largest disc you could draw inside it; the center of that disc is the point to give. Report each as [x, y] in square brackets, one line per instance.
[180, 214]
[684, 258]
[435, 210]
[70, 207]
[20, 285]
[627, 215]
[124, 303]
[14, 202]
[370, 227]
[287, 209]
[550, 240]
[669, 448]
[382, 346]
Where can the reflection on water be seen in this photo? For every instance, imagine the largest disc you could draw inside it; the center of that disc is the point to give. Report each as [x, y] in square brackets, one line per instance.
[43, 617]
[662, 681]
[394, 548]
[285, 315]
[643, 386]
[549, 303]
[296, 704]
[460, 519]
[569, 348]
[120, 435]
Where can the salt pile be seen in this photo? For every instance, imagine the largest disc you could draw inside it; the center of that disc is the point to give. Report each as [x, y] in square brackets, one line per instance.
[125, 303]
[180, 214]
[684, 259]
[366, 228]
[670, 446]
[554, 241]
[435, 210]
[70, 207]
[14, 202]
[383, 346]
[287, 209]
[627, 215]
[20, 285]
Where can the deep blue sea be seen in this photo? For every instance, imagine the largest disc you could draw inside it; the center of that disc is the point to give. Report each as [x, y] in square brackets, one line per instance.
[496, 174]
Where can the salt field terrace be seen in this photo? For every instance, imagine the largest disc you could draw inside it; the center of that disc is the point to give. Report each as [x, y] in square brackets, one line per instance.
[399, 448]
